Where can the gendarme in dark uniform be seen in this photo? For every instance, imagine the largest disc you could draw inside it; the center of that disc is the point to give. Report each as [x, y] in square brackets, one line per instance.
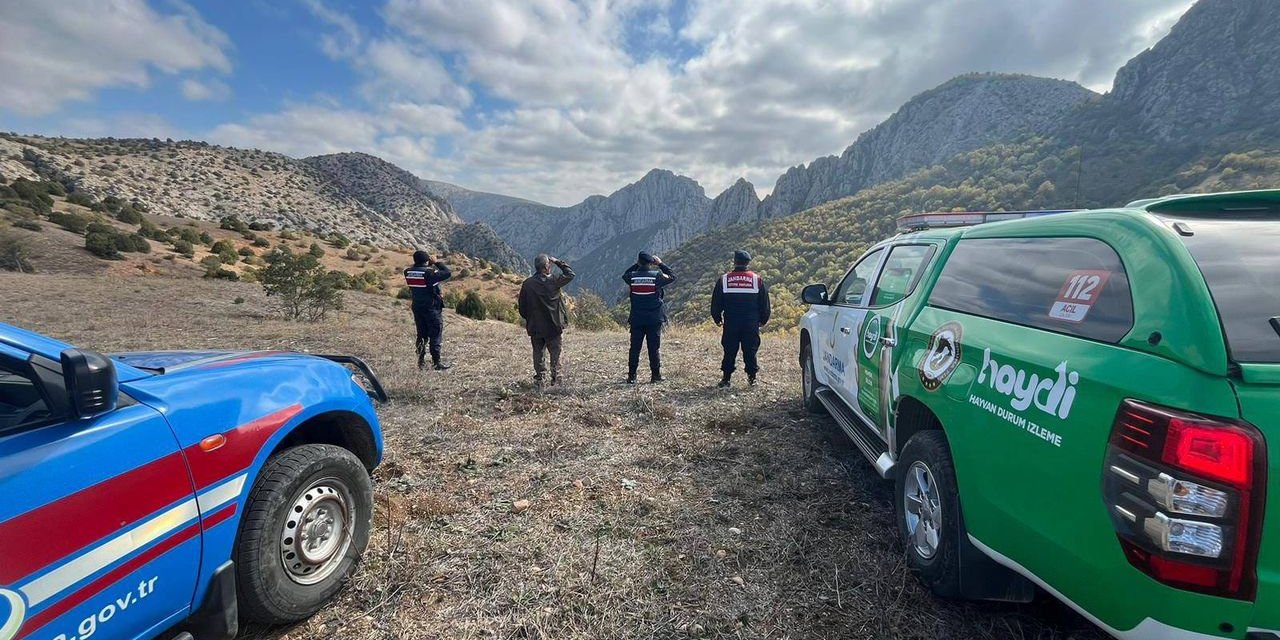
[740, 303]
[424, 279]
[645, 281]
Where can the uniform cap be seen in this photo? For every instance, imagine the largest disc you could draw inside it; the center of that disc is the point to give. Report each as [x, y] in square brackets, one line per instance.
[421, 257]
[741, 257]
[645, 258]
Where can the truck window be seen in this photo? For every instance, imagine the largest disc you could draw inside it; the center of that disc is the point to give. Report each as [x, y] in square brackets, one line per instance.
[1076, 286]
[854, 289]
[1238, 260]
[21, 402]
[902, 270]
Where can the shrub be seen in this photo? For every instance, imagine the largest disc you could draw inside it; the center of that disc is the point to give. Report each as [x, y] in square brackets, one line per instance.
[246, 252]
[233, 223]
[185, 248]
[353, 254]
[129, 215]
[261, 242]
[20, 209]
[300, 284]
[226, 250]
[205, 239]
[137, 243]
[464, 273]
[220, 273]
[338, 240]
[102, 244]
[238, 300]
[261, 225]
[30, 224]
[81, 198]
[405, 293]
[501, 309]
[316, 250]
[72, 222]
[15, 252]
[451, 297]
[588, 311]
[472, 306]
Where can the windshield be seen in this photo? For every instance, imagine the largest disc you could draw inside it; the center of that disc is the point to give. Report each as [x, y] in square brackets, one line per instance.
[1239, 261]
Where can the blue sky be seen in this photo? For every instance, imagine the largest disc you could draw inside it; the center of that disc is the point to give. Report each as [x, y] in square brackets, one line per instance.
[546, 99]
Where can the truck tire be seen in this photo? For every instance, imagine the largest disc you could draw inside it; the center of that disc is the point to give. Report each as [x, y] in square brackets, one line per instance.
[305, 525]
[928, 508]
[809, 382]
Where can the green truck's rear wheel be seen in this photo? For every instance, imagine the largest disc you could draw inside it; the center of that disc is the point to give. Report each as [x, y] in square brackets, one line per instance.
[928, 506]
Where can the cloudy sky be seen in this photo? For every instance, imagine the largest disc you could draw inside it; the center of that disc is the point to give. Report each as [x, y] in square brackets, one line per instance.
[551, 100]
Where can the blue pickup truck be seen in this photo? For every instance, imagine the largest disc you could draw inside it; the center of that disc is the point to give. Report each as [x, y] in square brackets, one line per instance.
[176, 493]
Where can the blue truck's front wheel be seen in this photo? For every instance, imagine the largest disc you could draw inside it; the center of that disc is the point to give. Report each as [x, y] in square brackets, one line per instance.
[305, 525]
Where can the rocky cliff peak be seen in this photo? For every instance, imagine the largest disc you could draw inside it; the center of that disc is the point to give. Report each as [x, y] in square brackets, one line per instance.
[1218, 70]
[963, 114]
[738, 203]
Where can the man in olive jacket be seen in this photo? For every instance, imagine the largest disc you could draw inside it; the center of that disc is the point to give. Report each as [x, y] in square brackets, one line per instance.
[545, 317]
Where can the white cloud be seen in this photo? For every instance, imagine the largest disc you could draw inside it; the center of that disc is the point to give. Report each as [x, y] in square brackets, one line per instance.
[345, 37]
[53, 52]
[557, 105]
[197, 90]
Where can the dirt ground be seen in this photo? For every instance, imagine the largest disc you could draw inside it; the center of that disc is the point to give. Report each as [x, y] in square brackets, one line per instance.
[656, 511]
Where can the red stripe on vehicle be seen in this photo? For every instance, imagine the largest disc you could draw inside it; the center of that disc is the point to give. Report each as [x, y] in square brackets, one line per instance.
[42, 536]
[243, 444]
[51, 613]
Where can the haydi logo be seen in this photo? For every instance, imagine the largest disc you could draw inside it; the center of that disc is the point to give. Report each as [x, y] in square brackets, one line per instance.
[1050, 395]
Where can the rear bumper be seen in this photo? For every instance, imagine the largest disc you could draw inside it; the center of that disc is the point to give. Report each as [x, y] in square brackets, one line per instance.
[1148, 629]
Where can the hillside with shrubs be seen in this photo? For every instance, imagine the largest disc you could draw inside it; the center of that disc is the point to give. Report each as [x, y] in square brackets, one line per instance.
[358, 196]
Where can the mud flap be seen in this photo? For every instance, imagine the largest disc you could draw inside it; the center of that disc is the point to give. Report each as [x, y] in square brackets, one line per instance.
[982, 578]
[218, 617]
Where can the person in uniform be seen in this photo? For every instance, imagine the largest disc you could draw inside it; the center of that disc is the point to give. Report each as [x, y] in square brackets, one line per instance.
[544, 313]
[740, 304]
[646, 280]
[424, 279]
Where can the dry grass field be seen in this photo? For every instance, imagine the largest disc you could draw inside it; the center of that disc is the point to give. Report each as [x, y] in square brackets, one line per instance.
[656, 511]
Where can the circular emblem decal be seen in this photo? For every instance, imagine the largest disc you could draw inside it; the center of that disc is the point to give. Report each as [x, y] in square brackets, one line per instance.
[942, 357]
[13, 611]
[871, 337]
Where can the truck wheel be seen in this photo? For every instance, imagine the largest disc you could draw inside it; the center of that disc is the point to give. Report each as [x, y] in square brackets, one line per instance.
[304, 527]
[809, 383]
[928, 506]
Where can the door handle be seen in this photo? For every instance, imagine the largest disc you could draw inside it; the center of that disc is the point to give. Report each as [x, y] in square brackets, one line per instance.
[844, 330]
[888, 342]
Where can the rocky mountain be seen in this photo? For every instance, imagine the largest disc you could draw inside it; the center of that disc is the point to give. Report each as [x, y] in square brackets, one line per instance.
[384, 187]
[966, 113]
[360, 196]
[1195, 113]
[409, 201]
[602, 234]
[1217, 70]
[663, 210]
[472, 205]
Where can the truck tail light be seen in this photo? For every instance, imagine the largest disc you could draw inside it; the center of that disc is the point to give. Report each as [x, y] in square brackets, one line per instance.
[1185, 493]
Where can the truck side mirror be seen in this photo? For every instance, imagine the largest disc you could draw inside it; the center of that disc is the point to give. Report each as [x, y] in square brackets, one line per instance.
[814, 294]
[92, 387]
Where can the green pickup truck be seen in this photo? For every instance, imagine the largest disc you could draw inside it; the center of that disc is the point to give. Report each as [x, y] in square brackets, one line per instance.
[1079, 401]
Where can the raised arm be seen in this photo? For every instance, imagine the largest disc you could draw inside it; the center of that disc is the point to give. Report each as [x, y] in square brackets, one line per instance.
[566, 274]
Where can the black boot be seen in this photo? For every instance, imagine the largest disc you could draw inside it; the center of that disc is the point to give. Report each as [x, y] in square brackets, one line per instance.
[631, 377]
[422, 354]
[555, 378]
[656, 377]
[724, 382]
[441, 366]
[751, 379]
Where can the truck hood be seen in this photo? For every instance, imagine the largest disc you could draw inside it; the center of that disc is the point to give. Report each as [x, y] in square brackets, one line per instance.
[163, 362]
